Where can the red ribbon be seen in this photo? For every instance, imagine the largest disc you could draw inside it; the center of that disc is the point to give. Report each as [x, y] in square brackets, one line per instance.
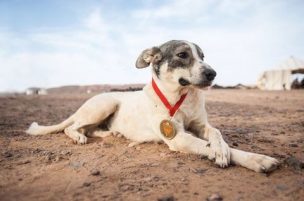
[171, 109]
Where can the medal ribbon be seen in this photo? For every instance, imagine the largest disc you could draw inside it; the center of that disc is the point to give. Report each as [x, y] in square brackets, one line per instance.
[162, 97]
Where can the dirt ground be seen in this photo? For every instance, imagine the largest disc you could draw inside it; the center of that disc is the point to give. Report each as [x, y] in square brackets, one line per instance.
[51, 167]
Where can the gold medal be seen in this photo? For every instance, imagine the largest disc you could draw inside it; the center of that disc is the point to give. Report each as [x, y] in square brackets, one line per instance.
[166, 126]
[167, 129]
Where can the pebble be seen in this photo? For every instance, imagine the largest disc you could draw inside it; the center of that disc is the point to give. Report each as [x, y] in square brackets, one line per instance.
[294, 163]
[65, 152]
[281, 187]
[162, 154]
[58, 158]
[166, 198]
[215, 197]
[293, 145]
[23, 162]
[180, 163]
[7, 154]
[126, 187]
[76, 164]
[48, 158]
[107, 145]
[95, 172]
[86, 184]
[199, 171]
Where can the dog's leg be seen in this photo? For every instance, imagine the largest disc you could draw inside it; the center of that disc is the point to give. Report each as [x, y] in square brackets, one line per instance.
[89, 116]
[256, 162]
[73, 132]
[186, 142]
[218, 145]
[253, 161]
[102, 133]
[205, 131]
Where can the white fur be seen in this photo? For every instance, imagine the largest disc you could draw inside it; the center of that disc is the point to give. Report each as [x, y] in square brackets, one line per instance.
[137, 116]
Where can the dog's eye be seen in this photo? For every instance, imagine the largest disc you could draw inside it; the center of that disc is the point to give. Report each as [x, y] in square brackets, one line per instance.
[182, 55]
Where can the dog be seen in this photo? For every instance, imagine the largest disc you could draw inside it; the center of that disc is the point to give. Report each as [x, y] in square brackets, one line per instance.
[179, 73]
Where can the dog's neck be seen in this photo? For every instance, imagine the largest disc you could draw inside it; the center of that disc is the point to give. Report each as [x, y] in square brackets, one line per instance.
[170, 90]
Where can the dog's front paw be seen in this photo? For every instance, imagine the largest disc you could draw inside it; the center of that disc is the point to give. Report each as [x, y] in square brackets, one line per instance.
[80, 139]
[220, 151]
[262, 163]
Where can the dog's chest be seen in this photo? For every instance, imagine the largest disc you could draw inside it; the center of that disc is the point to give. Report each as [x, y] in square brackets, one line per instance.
[135, 117]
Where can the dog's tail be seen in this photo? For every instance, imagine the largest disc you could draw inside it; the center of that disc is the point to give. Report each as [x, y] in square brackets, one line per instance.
[36, 129]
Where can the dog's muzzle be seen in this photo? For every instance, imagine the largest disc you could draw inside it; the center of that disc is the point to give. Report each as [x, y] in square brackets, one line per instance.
[209, 75]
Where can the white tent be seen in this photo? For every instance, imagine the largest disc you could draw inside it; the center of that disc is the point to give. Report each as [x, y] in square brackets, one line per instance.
[280, 78]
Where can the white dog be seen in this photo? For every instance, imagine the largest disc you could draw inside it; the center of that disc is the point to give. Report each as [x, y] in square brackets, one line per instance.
[170, 109]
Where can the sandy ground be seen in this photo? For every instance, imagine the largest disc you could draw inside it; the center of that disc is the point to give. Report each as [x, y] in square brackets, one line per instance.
[51, 167]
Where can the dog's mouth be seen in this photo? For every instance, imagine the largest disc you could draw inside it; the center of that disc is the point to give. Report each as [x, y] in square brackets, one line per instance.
[204, 84]
[183, 82]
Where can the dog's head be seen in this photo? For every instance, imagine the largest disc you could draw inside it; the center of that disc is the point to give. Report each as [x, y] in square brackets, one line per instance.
[178, 62]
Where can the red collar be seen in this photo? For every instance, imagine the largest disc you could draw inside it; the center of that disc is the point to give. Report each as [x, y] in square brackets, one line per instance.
[165, 101]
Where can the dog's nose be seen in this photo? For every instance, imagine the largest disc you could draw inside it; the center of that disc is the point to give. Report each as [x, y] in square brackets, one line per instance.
[209, 74]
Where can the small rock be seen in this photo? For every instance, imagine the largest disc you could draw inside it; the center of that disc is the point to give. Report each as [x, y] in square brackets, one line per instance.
[199, 171]
[23, 162]
[281, 187]
[58, 158]
[76, 164]
[156, 178]
[180, 163]
[107, 145]
[215, 197]
[126, 187]
[95, 172]
[86, 184]
[7, 154]
[162, 154]
[240, 131]
[65, 152]
[235, 144]
[48, 158]
[294, 163]
[166, 198]
[293, 145]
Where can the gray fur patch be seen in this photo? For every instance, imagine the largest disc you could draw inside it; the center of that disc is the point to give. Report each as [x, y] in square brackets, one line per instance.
[199, 51]
[171, 49]
[169, 52]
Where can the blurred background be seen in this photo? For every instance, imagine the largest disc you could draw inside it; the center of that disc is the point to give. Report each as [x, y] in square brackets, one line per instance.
[48, 43]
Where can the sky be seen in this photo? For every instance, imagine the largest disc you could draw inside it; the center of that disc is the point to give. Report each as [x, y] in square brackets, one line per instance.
[49, 43]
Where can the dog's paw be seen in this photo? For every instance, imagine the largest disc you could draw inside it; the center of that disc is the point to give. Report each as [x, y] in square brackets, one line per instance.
[116, 133]
[262, 163]
[133, 144]
[80, 139]
[220, 151]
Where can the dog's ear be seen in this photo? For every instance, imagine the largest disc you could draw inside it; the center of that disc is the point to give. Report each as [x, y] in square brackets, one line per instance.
[149, 56]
